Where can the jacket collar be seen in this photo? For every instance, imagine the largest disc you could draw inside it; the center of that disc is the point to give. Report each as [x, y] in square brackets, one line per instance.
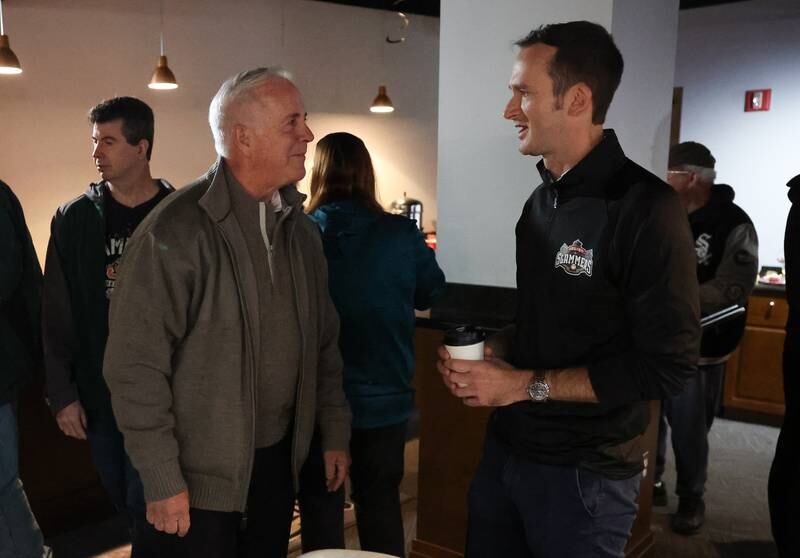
[216, 201]
[97, 190]
[593, 172]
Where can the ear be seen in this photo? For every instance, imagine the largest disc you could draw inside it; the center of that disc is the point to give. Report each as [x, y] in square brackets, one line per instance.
[142, 147]
[241, 137]
[578, 100]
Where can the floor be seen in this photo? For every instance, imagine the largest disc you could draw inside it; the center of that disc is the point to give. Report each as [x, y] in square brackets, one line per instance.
[737, 524]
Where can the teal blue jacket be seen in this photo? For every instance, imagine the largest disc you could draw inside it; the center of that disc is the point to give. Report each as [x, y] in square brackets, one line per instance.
[379, 271]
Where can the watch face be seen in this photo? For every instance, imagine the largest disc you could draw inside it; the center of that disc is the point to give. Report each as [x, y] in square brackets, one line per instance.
[538, 390]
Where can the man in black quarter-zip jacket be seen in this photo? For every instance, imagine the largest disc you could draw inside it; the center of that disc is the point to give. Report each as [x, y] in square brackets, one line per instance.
[608, 318]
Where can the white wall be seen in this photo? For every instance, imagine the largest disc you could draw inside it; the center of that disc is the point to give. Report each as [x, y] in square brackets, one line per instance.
[646, 34]
[74, 54]
[722, 52]
[483, 180]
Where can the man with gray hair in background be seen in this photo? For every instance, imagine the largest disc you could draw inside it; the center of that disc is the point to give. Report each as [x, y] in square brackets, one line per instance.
[727, 263]
[223, 351]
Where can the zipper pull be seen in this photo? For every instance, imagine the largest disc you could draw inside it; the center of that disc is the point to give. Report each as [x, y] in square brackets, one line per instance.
[555, 200]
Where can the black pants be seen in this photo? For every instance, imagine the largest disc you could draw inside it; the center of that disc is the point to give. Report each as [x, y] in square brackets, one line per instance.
[322, 512]
[375, 476]
[270, 503]
[690, 415]
[784, 476]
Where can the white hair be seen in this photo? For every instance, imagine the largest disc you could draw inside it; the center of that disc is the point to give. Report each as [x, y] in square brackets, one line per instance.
[704, 173]
[232, 92]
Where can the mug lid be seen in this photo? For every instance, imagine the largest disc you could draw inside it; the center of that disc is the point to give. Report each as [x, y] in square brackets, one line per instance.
[464, 335]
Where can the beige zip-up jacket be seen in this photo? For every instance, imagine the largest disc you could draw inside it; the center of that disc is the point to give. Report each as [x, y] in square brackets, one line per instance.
[182, 352]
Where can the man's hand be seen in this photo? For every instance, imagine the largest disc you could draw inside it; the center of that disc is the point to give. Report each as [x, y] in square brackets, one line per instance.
[170, 515]
[483, 383]
[72, 420]
[336, 465]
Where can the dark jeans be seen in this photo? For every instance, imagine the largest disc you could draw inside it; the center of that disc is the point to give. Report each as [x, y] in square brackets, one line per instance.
[121, 480]
[690, 415]
[270, 503]
[20, 536]
[784, 476]
[375, 476]
[522, 509]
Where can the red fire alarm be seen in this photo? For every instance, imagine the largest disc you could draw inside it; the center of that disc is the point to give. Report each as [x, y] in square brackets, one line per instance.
[757, 99]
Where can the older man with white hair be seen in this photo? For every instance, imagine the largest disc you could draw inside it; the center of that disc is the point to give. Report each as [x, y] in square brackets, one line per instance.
[222, 358]
[726, 245]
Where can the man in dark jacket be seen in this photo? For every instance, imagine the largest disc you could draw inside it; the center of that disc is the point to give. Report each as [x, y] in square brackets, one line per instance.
[784, 480]
[88, 237]
[607, 317]
[20, 350]
[727, 263]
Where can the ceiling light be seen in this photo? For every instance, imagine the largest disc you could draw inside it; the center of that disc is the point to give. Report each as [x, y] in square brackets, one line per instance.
[382, 103]
[9, 63]
[163, 78]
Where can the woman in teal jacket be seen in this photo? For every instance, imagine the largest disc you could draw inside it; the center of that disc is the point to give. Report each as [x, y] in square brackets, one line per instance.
[379, 270]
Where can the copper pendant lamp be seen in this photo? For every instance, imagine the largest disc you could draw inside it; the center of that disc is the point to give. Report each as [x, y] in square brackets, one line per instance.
[162, 78]
[9, 63]
[382, 102]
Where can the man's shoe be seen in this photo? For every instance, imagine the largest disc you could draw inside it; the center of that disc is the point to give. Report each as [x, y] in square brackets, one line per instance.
[690, 516]
[660, 498]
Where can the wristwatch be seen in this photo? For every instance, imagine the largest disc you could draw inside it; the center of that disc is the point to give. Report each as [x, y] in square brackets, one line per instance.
[538, 388]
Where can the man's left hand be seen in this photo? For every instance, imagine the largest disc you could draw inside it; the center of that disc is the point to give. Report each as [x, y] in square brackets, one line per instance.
[336, 465]
[484, 383]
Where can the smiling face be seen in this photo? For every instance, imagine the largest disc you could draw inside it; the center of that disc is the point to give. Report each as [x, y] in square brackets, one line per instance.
[114, 157]
[536, 113]
[275, 126]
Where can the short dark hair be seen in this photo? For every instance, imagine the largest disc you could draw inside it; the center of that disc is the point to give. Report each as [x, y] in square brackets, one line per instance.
[137, 119]
[586, 53]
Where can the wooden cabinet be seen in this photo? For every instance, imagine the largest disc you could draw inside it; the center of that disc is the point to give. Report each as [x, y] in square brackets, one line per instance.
[754, 373]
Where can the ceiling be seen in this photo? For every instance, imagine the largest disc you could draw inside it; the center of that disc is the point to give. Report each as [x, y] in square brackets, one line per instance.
[431, 7]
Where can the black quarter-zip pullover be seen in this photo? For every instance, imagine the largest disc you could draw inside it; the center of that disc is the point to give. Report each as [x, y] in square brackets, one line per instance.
[606, 280]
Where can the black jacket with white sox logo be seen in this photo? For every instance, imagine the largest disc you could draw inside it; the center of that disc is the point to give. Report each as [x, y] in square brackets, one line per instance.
[606, 279]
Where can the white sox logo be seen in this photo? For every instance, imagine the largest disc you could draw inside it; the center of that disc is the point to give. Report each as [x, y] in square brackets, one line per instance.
[703, 246]
[575, 259]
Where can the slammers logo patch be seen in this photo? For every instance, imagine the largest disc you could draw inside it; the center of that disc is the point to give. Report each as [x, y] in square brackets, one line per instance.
[575, 259]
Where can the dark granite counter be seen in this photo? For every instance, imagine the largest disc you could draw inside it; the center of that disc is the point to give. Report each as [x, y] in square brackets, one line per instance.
[762, 289]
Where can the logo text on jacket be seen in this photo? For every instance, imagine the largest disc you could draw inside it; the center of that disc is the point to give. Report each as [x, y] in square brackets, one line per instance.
[575, 259]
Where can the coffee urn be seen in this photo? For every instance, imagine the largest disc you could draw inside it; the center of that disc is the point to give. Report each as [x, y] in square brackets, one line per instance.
[409, 207]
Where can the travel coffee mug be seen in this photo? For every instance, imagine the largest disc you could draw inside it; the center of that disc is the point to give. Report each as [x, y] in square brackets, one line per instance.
[465, 343]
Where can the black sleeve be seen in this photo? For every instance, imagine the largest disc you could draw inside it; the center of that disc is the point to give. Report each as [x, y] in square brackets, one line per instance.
[10, 255]
[662, 305]
[791, 251]
[58, 335]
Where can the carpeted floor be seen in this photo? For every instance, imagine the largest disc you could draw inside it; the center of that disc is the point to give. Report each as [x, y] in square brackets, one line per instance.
[737, 518]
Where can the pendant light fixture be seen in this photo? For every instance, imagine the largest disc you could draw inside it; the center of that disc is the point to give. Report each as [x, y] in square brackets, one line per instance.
[9, 63]
[382, 102]
[163, 78]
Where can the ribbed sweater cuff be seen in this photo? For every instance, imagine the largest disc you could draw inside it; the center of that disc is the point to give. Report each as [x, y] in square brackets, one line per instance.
[162, 481]
[336, 437]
